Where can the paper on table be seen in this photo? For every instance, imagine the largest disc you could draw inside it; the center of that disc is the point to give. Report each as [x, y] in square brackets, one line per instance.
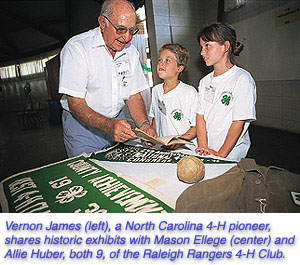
[165, 140]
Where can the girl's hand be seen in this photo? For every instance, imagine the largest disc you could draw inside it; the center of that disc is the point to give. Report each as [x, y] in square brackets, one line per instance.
[215, 153]
[202, 151]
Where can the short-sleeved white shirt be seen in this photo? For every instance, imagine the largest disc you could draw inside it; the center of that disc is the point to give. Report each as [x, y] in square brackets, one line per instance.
[175, 111]
[224, 99]
[89, 71]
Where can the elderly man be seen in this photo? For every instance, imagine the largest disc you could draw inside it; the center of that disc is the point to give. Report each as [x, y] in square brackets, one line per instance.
[99, 74]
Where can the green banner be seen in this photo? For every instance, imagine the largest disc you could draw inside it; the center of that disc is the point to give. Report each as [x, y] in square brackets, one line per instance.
[79, 185]
[138, 154]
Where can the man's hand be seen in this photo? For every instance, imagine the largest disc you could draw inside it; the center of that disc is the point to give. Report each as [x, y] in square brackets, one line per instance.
[137, 111]
[120, 130]
[147, 128]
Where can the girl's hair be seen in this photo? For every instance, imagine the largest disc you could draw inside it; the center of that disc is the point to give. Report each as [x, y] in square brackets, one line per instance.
[221, 32]
[182, 55]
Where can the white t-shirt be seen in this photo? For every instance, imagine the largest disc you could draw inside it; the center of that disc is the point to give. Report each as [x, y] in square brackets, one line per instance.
[175, 111]
[224, 99]
[89, 71]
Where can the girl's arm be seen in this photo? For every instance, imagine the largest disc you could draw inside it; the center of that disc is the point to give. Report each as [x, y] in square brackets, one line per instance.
[190, 134]
[202, 148]
[233, 135]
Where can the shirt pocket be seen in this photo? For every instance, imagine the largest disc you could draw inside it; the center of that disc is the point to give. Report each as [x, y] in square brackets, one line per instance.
[126, 84]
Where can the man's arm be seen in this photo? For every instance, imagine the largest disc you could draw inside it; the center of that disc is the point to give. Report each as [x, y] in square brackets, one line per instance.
[118, 129]
[137, 110]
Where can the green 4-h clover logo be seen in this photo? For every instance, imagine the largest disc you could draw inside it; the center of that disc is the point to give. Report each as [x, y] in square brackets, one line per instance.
[225, 100]
[177, 116]
[67, 196]
[227, 96]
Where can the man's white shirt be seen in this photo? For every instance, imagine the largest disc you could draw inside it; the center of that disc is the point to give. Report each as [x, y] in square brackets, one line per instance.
[89, 71]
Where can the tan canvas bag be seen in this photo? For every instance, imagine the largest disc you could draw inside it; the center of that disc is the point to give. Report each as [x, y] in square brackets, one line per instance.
[245, 188]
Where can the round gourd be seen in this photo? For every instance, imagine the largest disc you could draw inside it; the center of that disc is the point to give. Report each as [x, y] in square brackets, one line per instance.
[190, 169]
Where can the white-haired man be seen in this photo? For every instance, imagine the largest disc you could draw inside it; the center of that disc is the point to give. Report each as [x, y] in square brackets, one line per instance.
[99, 74]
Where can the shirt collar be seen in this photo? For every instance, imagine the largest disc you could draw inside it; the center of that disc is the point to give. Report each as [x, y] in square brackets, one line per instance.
[98, 40]
[174, 91]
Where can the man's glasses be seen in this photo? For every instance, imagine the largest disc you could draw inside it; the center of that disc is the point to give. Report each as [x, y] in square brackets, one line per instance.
[122, 30]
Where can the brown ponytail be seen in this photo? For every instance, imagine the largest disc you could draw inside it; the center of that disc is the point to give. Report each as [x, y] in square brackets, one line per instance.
[238, 47]
[221, 32]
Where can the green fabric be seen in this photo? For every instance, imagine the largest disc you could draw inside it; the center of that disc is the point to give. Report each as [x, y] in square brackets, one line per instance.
[148, 69]
[245, 188]
[138, 154]
[76, 185]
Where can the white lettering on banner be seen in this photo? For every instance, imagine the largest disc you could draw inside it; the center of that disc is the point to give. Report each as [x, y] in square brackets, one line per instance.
[20, 185]
[82, 168]
[107, 185]
[39, 207]
[27, 201]
[25, 195]
[114, 188]
[58, 183]
[126, 191]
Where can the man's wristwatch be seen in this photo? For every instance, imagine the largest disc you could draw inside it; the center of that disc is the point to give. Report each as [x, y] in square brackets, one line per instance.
[142, 124]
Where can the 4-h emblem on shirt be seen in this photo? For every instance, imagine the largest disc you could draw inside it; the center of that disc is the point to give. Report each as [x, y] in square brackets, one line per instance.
[226, 98]
[177, 114]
